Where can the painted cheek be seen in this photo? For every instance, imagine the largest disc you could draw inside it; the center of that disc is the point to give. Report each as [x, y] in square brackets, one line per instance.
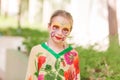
[65, 35]
[53, 34]
[63, 39]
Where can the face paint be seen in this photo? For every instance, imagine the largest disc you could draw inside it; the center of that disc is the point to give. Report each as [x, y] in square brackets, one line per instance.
[60, 30]
[53, 34]
[63, 39]
[65, 28]
[61, 25]
[65, 31]
[55, 27]
[64, 36]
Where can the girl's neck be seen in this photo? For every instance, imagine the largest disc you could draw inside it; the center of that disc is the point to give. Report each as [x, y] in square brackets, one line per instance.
[57, 47]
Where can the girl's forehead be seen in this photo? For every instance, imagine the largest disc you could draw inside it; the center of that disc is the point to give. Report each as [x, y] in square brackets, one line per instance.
[61, 24]
[61, 21]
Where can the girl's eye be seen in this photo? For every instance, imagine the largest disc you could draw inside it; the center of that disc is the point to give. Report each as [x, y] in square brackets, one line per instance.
[65, 31]
[55, 27]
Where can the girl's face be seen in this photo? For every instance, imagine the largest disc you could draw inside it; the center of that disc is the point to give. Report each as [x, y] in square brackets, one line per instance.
[59, 29]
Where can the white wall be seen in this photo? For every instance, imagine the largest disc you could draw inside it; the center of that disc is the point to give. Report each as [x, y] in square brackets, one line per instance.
[16, 65]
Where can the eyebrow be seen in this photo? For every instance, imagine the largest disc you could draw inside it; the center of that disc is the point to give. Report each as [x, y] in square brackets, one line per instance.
[59, 25]
[66, 28]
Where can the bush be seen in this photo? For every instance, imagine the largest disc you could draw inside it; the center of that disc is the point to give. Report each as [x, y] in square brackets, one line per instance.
[96, 65]
[32, 36]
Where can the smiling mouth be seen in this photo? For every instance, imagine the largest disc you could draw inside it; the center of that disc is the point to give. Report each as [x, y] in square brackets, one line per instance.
[58, 38]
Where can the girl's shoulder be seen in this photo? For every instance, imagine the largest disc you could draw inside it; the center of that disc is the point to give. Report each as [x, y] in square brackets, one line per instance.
[35, 49]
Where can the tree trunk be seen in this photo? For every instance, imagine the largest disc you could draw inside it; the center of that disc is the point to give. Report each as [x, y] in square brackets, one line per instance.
[113, 26]
[19, 16]
[7, 7]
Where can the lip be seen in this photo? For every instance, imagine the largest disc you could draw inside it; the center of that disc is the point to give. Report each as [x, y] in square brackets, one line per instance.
[58, 38]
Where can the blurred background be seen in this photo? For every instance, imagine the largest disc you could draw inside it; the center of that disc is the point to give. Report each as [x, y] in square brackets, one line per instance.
[95, 34]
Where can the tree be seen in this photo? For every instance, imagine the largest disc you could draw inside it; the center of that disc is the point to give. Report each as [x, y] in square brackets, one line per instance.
[19, 14]
[113, 26]
[23, 7]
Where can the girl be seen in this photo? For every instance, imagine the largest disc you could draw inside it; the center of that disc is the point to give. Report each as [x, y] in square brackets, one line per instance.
[55, 60]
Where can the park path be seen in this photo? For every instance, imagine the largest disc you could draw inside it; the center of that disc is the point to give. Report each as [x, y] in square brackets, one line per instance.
[7, 42]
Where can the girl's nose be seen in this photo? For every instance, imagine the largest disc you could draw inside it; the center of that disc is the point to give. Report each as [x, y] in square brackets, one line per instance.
[59, 32]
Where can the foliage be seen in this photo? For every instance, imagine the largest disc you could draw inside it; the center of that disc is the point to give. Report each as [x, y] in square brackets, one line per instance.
[99, 65]
[32, 36]
[94, 65]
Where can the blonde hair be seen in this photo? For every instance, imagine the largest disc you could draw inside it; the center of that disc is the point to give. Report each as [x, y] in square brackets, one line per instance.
[64, 14]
